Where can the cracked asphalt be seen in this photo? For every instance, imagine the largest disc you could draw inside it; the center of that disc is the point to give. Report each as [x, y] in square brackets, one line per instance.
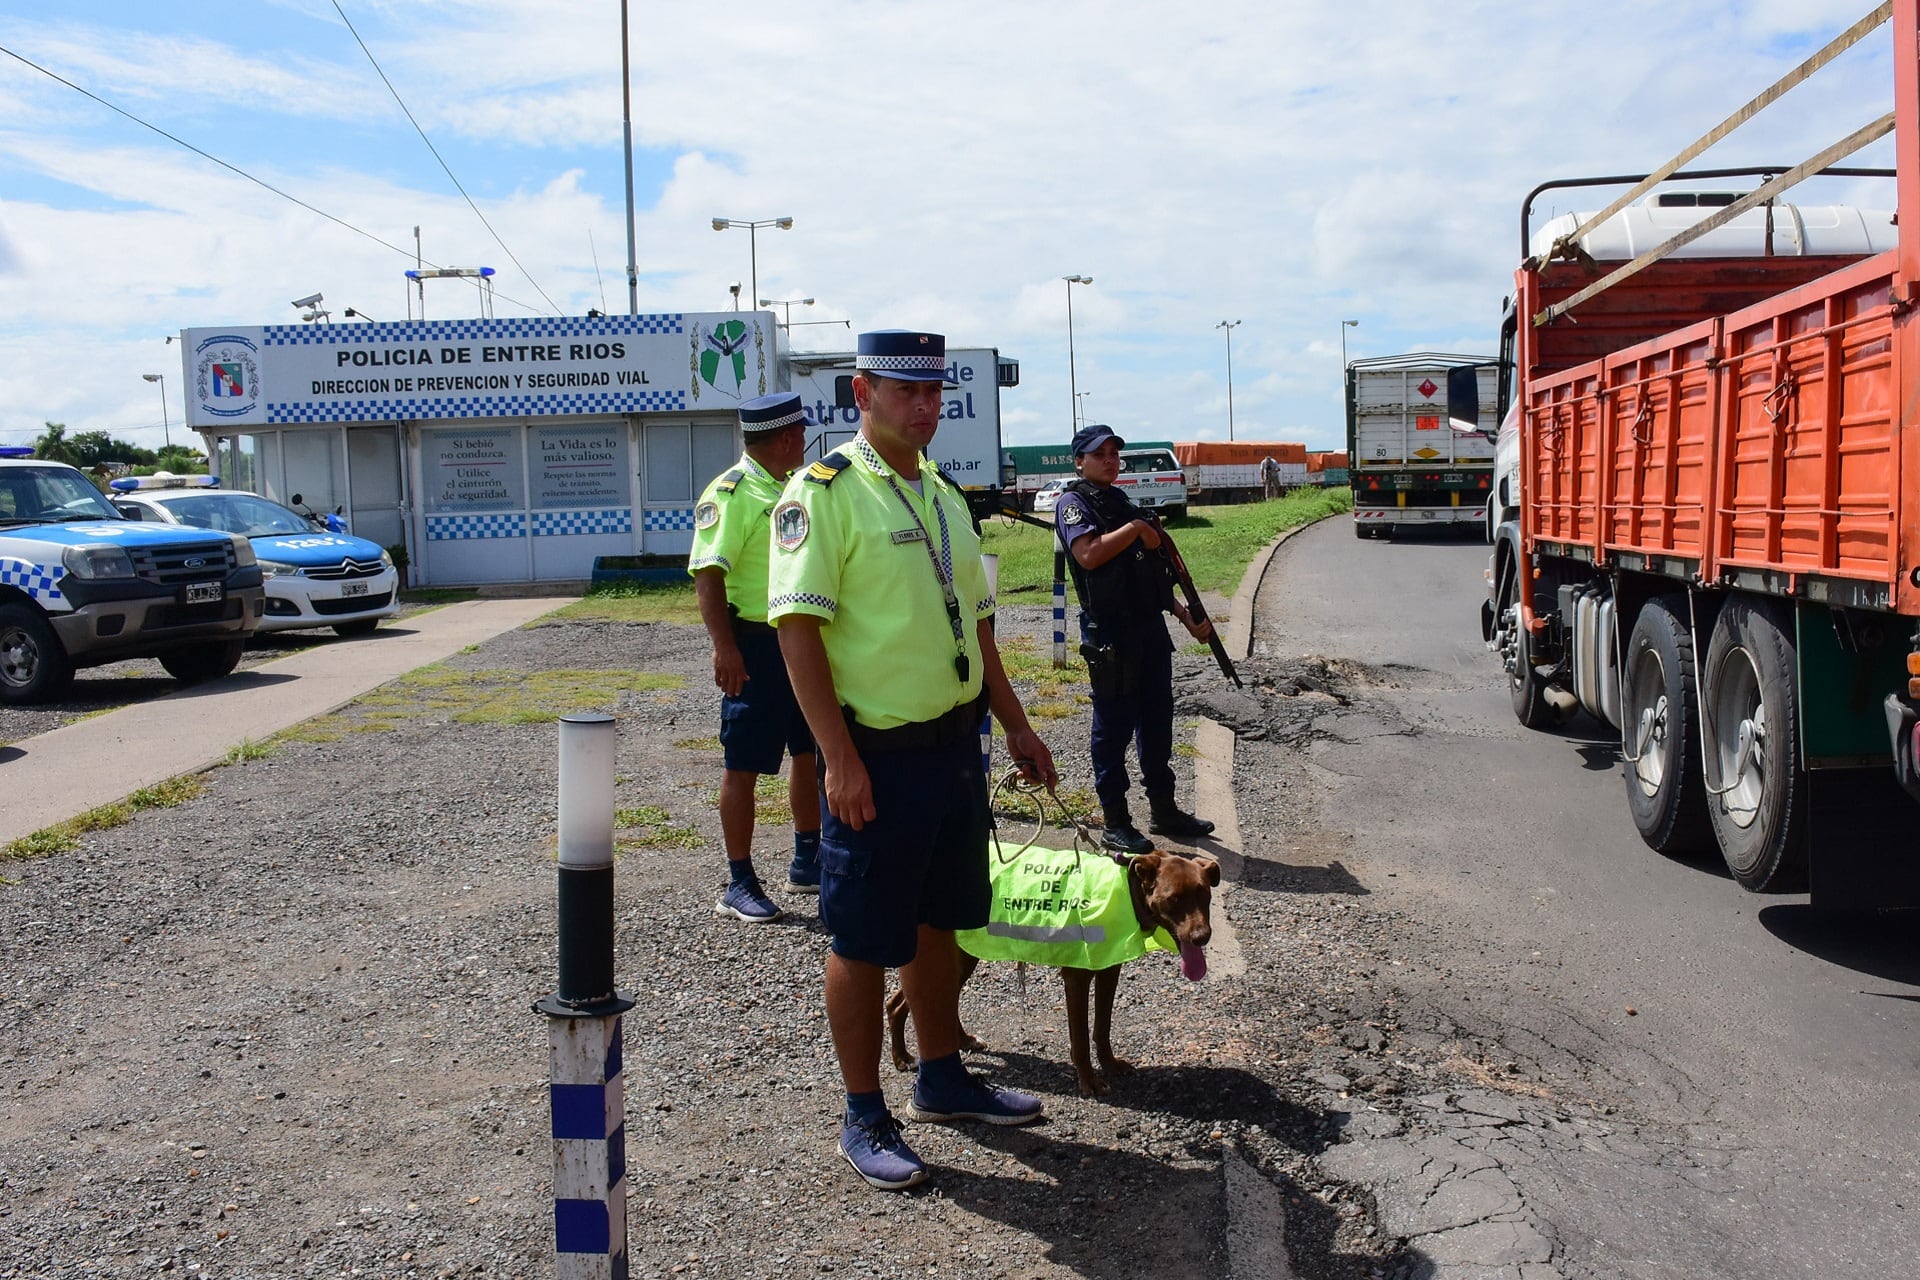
[1638, 1070]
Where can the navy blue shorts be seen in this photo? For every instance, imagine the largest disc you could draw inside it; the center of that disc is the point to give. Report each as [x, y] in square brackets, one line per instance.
[922, 860]
[764, 722]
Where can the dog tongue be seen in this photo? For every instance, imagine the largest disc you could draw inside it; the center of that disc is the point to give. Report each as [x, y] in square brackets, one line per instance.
[1193, 962]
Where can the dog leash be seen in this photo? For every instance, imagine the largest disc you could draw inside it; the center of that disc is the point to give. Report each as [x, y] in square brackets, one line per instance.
[1014, 781]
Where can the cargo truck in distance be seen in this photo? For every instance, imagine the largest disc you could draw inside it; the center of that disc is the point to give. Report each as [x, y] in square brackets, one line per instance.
[1408, 470]
[1709, 517]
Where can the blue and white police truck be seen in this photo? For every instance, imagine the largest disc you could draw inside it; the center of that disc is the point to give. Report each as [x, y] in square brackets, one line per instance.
[81, 585]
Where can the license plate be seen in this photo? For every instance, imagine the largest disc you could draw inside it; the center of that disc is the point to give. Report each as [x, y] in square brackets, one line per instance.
[205, 592]
[353, 588]
[1453, 477]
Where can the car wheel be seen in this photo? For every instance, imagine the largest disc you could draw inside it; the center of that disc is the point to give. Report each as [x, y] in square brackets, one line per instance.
[359, 627]
[1661, 734]
[204, 661]
[1756, 782]
[34, 667]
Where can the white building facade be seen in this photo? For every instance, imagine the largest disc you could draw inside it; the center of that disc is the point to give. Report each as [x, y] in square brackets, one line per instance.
[491, 451]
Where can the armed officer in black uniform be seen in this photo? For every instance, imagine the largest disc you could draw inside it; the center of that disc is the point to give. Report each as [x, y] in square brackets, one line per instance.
[1125, 584]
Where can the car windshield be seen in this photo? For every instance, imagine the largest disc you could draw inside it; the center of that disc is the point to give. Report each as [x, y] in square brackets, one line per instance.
[1158, 461]
[241, 513]
[49, 495]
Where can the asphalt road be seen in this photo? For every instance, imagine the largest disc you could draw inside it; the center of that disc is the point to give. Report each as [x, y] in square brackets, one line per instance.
[1764, 1056]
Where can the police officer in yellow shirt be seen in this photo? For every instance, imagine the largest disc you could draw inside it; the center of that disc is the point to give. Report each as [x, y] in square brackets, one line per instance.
[884, 616]
[759, 719]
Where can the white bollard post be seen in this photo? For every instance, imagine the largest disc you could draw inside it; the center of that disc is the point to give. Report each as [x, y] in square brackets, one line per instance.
[587, 1092]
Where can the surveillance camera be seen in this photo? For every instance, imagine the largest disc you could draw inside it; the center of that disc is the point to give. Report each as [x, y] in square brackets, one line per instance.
[311, 300]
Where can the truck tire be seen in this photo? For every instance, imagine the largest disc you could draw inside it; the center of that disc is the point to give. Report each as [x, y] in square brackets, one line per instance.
[1525, 689]
[1661, 734]
[1360, 530]
[34, 667]
[1757, 785]
[204, 661]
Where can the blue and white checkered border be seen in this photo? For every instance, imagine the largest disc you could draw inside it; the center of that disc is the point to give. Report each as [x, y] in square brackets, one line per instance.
[667, 521]
[563, 524]
[472, 330]
[41, 582]
[587, 1097]
[926, 364]
[466, 528]
[279, 411]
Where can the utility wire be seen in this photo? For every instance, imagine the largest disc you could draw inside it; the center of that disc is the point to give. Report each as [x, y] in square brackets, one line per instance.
[235, 169]
[443, 164]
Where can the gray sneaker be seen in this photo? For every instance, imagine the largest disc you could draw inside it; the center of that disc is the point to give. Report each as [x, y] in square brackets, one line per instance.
[748, 902]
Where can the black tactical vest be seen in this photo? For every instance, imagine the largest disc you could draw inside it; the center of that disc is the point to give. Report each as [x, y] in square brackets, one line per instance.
[1132, 587]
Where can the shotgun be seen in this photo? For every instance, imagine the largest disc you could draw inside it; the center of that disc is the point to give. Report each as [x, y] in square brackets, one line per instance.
[1195, 610]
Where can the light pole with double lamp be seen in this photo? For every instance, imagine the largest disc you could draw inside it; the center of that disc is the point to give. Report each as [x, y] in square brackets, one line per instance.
[1229, 326]
[786, 308]
[166, 429]
[753, 248]
[1072, 378]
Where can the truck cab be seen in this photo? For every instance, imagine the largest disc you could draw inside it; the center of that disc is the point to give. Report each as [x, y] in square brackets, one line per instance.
[81, 585]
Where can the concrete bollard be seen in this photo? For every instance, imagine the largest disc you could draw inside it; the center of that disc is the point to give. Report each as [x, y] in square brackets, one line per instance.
[587, 1092]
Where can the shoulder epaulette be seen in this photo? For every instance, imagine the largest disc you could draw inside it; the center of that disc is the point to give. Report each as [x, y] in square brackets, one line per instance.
[951, 482]
[824, 471]
[730, 481]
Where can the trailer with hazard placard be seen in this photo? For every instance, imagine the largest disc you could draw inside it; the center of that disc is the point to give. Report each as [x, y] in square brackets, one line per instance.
[1407, 468]
[1708, 504]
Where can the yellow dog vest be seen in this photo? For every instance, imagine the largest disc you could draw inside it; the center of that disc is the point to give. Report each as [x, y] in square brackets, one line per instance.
[1063, 909]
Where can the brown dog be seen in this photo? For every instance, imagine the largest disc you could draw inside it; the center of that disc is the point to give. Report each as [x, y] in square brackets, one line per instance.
[1169, 891]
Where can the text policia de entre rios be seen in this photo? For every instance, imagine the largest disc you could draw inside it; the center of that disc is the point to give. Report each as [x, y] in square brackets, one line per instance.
[444, 356]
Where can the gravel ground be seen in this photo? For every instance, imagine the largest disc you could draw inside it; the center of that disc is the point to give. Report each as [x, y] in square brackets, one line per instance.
[284, 1028]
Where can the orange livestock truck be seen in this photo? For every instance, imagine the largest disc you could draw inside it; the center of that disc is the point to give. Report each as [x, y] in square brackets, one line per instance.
[1706, 508]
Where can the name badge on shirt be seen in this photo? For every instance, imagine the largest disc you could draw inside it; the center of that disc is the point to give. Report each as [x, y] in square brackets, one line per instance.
[901, 536]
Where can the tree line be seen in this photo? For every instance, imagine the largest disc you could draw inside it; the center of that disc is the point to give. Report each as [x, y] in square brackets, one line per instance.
[90, 449]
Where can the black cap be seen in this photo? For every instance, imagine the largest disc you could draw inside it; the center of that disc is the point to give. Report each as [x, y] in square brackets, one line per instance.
[1087, 439]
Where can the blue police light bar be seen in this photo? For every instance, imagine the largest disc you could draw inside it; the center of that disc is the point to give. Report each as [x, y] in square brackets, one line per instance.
[16, 451]
[449, 273]
[132, 484]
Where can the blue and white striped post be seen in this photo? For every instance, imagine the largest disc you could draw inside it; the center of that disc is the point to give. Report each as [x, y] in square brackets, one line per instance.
[1059, 607]
[586, 1093]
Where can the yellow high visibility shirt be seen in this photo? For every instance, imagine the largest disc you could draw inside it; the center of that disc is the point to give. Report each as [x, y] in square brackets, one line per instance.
[730, 532]
[851, 548]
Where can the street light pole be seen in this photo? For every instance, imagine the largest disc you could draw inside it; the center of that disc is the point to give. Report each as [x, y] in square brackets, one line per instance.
[165, 427]
[1073, 378]
[786, 308]
[1344, 326]
[1080, 410]
[753, 247]
[1229, 326]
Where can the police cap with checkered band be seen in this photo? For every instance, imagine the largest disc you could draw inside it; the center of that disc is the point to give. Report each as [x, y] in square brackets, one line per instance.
[903, 354]
[774, 412]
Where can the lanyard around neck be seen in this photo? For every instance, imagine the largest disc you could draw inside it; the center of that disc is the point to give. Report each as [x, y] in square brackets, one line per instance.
[942, 560]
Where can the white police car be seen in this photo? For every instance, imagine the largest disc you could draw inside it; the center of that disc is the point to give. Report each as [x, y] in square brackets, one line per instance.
[314, 577]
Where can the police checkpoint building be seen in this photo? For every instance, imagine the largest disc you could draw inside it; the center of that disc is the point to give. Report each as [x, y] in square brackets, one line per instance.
[522, 450]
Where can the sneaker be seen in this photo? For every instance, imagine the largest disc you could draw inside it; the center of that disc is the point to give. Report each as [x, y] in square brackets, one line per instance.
[1174, 821]
[1124, 837]
[748, 902]
[879, 1154]
[976, 1100]
[803, 877]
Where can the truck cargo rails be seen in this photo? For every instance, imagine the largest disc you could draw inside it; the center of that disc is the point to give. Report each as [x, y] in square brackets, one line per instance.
[1709, 503]
[1407, 468]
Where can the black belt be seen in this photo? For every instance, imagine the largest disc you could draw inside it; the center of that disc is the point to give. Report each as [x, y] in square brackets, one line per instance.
[750, 627]
[961, 724]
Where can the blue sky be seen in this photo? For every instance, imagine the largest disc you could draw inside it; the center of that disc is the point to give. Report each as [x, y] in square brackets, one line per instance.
[1285, 166]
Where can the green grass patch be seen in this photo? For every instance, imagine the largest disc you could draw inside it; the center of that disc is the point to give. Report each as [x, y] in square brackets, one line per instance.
[1051, 710]
[248, 750]
[646, 815]
[667, 837]
[1025, 659]
[1216, 542]
[634, 602]
[507, 697]
[1186, 749]
[698, 744]
[64, 836]
[434, 597]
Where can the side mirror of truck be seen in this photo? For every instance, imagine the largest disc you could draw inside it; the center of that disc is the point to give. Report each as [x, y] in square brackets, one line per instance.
[843, 392]
[1463, 400]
